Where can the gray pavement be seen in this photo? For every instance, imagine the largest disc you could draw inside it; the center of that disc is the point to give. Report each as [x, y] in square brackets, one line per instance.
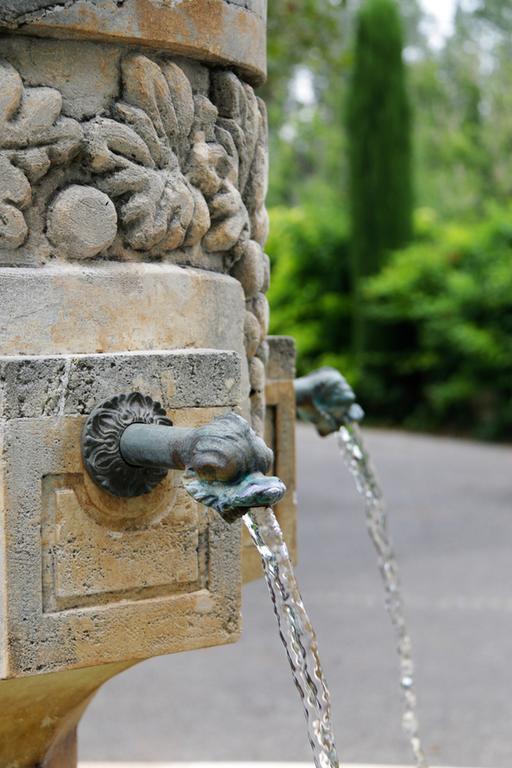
[450, 507]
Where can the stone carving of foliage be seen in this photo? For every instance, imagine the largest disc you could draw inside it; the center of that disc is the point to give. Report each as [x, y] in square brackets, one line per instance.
[33, 137]
[179, 169]
[241, 127]
[213, 168]
[239, 115]
[172, 170]
[135, 158]
[244, 117]
[164, 170]
[257, 183]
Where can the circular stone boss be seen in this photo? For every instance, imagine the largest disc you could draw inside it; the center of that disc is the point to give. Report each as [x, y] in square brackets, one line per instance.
[82, 222]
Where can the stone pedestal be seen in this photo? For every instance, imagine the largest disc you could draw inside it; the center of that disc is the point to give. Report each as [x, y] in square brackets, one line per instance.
[133, 170]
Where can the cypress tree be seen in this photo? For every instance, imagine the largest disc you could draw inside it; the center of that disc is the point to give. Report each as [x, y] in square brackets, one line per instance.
[379, 131]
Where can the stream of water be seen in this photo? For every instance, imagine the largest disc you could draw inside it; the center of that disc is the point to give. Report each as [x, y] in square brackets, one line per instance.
[358, 462]
[296, 632]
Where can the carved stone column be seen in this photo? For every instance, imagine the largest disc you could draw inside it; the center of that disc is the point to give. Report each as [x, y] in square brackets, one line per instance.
[115, 153]
[133, 171]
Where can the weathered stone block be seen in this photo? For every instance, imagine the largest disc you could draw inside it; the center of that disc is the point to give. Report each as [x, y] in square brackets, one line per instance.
[111, 307]
[281, 360]
[223, 31]
[280, 436]
[62, 385]
[81, 570]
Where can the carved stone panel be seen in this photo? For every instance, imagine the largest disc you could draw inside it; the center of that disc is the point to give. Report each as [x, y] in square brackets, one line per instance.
[86, 562]
[92, 578]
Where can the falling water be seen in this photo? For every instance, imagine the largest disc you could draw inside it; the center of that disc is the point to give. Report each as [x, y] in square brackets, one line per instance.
[358, 462]
[296, 632]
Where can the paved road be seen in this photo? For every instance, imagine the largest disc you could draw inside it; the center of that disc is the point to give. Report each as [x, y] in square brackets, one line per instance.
[450, 504]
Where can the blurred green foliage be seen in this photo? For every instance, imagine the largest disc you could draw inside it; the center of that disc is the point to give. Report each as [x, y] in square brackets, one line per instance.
[379, 150]
[379, 130]
[310, 288]
[442, 305]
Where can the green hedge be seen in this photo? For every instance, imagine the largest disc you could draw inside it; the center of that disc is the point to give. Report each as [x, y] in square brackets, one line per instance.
[444, 309]
[310, 287]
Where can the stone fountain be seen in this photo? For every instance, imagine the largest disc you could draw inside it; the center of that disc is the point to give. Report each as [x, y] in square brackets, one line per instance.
[133, 169]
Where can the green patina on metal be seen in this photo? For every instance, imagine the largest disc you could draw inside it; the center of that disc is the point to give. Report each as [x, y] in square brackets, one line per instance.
[128, 444]
[232, 500]
[324, 398]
